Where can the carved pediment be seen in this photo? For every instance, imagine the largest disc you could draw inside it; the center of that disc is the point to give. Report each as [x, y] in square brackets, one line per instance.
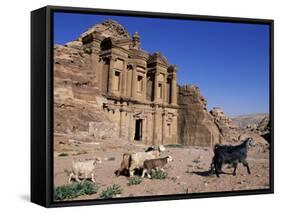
[158, 58]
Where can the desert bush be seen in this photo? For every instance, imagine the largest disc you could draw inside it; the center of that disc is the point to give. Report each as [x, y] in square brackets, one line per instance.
[158, 174]
[111, 191]
[196, 161]
[134, 180]
[67, 172]
[74, 190]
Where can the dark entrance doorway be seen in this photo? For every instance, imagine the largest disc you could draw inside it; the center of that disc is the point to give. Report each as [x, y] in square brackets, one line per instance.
[138, 130]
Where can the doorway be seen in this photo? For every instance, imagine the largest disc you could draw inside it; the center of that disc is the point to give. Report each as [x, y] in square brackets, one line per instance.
[138, 130]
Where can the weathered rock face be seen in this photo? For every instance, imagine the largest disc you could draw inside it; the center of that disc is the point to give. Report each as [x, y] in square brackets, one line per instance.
[264, 125]
[77, 102]
[227, 128]
[195, 124]
[231, 133]
[108, 28]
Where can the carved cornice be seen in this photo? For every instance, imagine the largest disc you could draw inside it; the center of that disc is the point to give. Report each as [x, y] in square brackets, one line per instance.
[132, 101]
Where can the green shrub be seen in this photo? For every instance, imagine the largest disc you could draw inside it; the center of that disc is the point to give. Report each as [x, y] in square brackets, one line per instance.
[111, 191]
[67, 172]
[74, 190]
[158, 174]
[196, 161]
[134, 180]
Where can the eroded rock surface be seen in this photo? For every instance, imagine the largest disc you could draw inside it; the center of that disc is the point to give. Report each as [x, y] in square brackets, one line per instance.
[77, 100]
[196, 125]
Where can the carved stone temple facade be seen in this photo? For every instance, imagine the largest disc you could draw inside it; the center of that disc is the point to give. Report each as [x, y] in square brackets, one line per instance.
[140, 88]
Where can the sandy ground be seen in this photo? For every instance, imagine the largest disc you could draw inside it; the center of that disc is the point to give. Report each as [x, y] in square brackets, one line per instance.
[187, 173]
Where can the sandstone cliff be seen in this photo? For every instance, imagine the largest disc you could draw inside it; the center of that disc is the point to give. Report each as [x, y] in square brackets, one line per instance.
[77, 100]
[195, 124]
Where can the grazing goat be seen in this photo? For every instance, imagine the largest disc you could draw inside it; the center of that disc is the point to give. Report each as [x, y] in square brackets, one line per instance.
[83, 168]
[134, 161]
[228, 154]
[154, 164]
[124, 166]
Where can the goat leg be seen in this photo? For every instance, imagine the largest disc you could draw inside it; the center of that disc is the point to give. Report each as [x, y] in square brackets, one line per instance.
[212, 168]
[217, 173]
[144, 171]
[131, 172]
[77, 178]
[93, 178]
[235, 167]
[70, 177]
[218, 169]
[245, 163]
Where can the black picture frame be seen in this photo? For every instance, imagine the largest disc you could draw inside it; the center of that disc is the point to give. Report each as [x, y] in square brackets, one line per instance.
[42, 105]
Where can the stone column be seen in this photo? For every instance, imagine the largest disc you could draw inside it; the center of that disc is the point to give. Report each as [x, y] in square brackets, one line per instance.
[163, 128]
[174, 89]
[164, 90]
[155, 86]
[129, 81]
[154, 128]
[134, 81]
[130, 126]
[174, 130]
[148, 129]
[121, 122]
[144, 130]
[111, 75]
[144, 87]
[124, 79]
[157, 127]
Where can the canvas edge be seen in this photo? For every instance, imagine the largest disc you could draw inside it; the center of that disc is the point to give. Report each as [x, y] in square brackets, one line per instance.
[49, 111]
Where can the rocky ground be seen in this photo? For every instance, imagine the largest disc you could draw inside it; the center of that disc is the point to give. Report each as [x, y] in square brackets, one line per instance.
[187, 173]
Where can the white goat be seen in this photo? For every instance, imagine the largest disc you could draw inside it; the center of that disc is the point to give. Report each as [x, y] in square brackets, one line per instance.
[83, 168]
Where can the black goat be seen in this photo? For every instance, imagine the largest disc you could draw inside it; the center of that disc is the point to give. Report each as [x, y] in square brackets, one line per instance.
[228, 154]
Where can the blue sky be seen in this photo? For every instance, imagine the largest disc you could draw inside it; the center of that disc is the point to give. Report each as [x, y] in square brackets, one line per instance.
[229, 62]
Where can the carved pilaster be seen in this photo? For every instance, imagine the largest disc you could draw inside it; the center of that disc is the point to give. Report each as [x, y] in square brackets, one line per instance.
[124, 79]
[174, 89]
[134, 81]
[112, 60]
[155, 91]
[144, 87]
[164, 91]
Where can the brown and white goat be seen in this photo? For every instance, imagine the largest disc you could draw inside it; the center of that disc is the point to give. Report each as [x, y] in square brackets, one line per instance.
[155, 164]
